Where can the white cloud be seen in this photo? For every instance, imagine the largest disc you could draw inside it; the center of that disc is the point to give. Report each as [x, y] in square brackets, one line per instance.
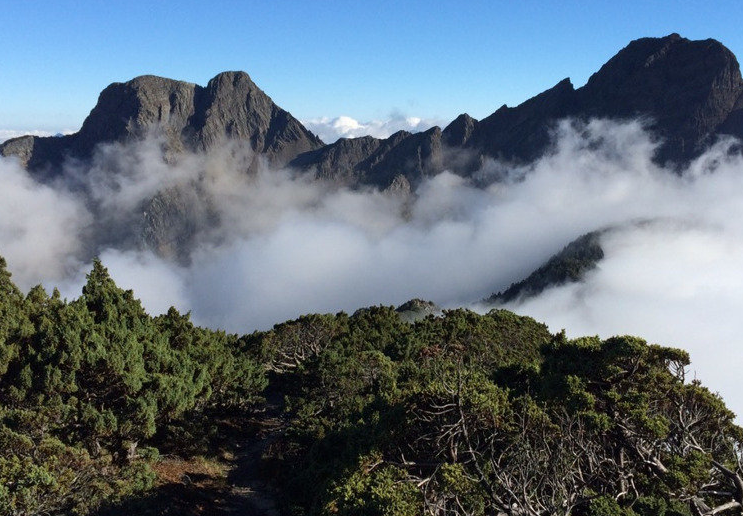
[41, 228]
[330, 129]
[7, 134]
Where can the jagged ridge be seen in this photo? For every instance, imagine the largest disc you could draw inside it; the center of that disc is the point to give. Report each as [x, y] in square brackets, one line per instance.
[689, 91]
[568, 266]
[189, 116]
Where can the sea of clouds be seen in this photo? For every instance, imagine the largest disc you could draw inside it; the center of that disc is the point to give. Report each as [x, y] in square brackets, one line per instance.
[276, 244]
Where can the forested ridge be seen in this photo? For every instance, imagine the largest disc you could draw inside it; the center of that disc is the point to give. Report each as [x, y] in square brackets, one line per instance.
[363, 414]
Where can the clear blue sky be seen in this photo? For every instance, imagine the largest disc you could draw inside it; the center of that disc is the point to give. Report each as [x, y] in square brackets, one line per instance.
[327, 58]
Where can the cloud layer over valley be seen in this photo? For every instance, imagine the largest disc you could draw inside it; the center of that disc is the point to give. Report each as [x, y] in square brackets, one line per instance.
[268, 247]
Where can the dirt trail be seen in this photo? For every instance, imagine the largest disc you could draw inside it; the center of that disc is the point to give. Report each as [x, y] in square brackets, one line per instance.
[249, 495]
[217, 487]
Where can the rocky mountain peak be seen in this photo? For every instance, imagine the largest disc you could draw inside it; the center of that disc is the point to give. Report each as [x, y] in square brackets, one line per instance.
[459, 131]
[131, 109]
[235, 78]
[686, 88]
[187, 116]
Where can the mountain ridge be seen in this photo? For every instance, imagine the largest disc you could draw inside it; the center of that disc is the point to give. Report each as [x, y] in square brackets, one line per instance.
[690, 92]
[570, 265]
[188, 116]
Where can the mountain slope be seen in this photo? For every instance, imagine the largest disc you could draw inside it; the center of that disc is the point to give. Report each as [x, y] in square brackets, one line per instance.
[689, 92]
[188, 116]
[569, 265]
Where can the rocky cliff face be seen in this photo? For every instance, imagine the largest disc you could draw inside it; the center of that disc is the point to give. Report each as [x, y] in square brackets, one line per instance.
[188, 116]
[687, 88]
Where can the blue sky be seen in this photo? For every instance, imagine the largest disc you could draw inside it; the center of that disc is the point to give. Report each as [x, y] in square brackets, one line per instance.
[369, 60]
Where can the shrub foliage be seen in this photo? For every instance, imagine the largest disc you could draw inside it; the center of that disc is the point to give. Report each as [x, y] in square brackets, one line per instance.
[454, 414]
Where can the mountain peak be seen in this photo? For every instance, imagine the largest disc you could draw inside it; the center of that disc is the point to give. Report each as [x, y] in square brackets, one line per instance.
[458, 132]
[689, 91]
[149, 80]
[231, 80]
[186, 115]
[687, 88]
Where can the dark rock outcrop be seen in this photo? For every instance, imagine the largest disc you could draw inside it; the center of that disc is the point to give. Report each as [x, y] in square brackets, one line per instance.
[568, 266]
[417, 309]
[186, 115]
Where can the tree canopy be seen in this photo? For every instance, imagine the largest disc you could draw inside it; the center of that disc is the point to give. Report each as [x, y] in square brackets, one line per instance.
[453, 414]
[83, 383]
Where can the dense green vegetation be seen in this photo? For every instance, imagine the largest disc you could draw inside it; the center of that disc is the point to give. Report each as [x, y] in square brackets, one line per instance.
[84, 384]
[456, 414]
[469, 414]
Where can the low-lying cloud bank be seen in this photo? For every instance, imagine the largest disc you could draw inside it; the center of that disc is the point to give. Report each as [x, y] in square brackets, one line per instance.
[672, 282]
[275, 245]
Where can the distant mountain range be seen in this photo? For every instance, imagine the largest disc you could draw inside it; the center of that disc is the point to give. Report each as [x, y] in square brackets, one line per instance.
[689, 93]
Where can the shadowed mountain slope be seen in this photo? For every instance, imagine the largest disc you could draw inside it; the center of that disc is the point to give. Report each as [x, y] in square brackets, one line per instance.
[568, 266]
[187, 115]
[689, 92]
